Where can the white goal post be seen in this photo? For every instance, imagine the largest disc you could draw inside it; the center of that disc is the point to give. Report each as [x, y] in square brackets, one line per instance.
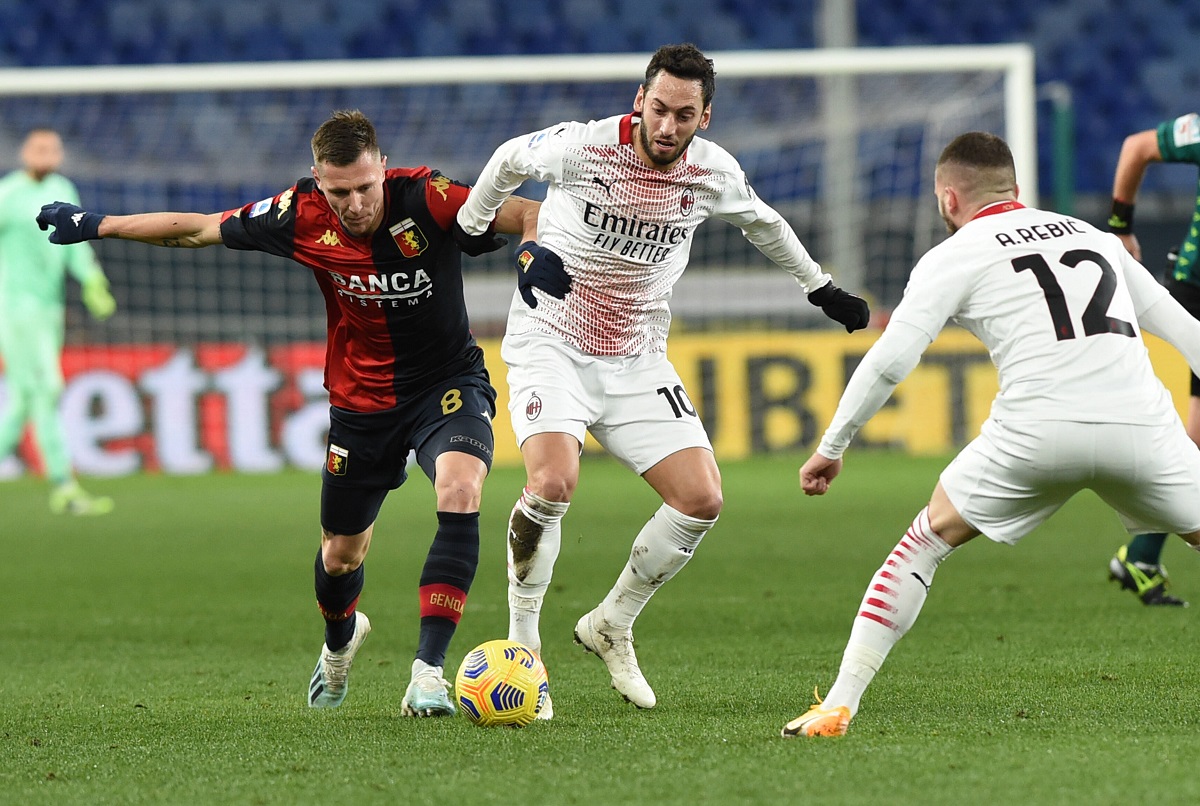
[139, 136]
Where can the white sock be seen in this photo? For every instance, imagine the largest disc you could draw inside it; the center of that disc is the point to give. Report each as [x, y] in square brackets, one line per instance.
[891, 605]
[534, 539]
[664, 546]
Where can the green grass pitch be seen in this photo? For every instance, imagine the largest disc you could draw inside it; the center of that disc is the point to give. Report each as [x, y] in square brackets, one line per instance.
[162, 655]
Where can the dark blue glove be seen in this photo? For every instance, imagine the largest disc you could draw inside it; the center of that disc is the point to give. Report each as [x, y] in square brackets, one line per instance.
[71, 224]
[539, 267]
[842, 306]
[475, 245]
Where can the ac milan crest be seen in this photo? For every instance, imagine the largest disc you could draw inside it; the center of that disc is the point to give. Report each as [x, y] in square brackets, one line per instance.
[687, 201]
[534, 407]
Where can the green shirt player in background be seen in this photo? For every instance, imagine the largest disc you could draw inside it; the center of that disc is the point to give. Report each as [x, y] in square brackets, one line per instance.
[32, 288]
[1138, 564]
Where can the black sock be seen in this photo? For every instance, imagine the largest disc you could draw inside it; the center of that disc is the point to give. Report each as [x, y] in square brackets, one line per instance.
[1146, 548]
[337, 597]
[445, 581]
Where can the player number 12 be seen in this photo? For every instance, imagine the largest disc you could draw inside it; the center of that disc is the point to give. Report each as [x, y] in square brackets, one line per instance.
[1095, 316]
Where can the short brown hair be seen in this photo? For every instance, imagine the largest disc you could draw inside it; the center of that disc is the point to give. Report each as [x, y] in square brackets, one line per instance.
[981, 162]
[344, 138]
[684, 61]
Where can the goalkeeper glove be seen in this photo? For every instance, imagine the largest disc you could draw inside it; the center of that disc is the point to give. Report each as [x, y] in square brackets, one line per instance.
[475, 245]
[97, 298]
[71, 223]
[540, 267]
[841, 306]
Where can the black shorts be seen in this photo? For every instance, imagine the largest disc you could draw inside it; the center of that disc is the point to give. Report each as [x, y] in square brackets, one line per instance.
[367, 454]
[1187, 295]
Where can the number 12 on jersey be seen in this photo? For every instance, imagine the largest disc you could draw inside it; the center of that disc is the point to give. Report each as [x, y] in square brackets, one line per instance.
[1095, 316]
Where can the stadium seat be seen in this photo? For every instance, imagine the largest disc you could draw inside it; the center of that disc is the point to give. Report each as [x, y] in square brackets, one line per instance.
[1128, 65]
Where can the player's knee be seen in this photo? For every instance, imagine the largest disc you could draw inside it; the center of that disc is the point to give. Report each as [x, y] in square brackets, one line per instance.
[458, 494]
[703, 504]
[342, 554]
[552, 485]
[341, 564]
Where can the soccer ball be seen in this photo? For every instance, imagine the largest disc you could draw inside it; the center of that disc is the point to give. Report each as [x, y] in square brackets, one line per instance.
[501, 683]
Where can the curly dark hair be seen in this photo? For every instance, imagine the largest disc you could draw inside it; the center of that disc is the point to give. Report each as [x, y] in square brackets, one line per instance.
[684, 61]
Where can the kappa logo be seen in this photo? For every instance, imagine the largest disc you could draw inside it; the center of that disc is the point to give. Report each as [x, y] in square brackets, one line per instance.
[285, 201]
[330, 238]
[75, 219]
[441, 184]
[533, 408]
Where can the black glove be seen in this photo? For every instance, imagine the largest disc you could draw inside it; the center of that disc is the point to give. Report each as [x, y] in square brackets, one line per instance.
[539, 267]
[841, 306]
[475, 245]
[71, 224]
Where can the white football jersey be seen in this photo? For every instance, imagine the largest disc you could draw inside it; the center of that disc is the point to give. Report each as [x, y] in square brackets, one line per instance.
[624, 230]
[1056, 302]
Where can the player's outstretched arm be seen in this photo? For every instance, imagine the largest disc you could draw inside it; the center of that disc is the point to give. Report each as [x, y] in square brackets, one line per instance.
[72, 224]
[818, 473]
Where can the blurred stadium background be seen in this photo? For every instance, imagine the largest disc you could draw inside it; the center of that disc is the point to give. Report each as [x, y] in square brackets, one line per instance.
[224, 347]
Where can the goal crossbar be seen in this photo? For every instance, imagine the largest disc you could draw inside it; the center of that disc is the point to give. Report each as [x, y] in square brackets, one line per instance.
[1016, 61]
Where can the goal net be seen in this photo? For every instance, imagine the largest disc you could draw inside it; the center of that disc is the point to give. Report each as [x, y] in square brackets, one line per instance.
[841, 142]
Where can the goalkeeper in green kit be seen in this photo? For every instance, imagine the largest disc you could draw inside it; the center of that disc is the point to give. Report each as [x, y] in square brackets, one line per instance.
[32, 287]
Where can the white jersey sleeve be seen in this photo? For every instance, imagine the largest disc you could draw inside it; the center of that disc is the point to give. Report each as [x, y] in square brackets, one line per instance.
[770, 233]
[536, 156]
[1161, 314]
[890, 359]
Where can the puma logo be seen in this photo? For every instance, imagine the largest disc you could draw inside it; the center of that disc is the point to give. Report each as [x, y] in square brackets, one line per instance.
[923, 582]
[606, 185]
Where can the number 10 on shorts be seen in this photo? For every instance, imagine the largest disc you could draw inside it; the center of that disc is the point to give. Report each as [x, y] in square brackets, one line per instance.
[678, 398]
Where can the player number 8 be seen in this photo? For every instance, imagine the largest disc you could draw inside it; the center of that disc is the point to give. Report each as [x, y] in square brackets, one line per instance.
[451, 401]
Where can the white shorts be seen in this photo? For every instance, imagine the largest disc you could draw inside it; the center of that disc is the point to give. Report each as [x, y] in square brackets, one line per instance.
[1015, 475]
[635, 406]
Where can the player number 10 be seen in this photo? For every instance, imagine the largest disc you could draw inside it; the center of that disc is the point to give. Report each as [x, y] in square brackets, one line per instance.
[678, 400]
